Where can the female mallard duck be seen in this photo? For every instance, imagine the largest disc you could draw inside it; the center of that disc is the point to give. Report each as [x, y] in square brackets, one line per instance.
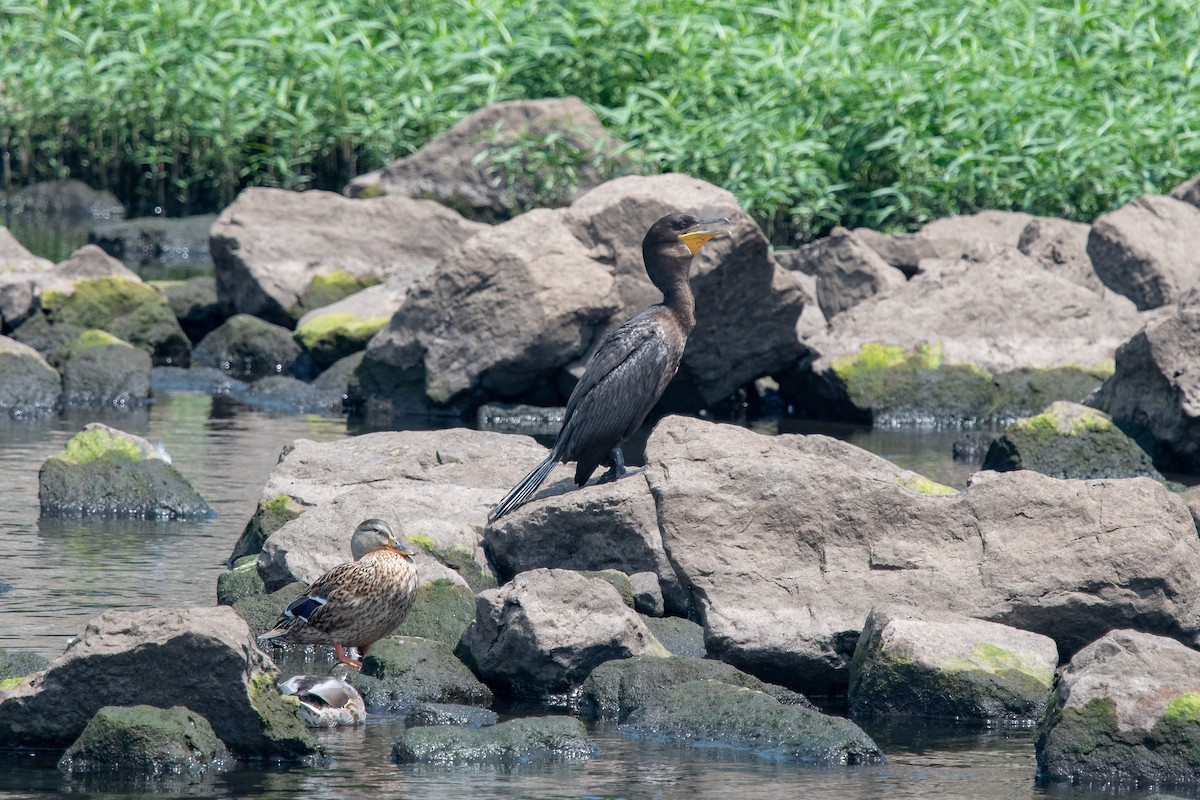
[326, 702]
[357, 603]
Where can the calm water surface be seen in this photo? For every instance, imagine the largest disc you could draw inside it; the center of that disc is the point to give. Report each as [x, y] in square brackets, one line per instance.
[64, 572]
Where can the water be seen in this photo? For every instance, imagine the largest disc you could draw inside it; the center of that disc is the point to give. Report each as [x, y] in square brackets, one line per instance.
[64, 572]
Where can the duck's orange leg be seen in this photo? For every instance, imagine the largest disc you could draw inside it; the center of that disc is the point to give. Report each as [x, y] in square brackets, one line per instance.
[340, 652]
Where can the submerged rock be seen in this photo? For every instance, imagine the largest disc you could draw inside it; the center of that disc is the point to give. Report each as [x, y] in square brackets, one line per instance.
[1069, 440]
[716, 714]
[1126, 711]
[106, 472]
[940, 664]
[28, 385]
[518, 741]
[146, 741]
[424, 714]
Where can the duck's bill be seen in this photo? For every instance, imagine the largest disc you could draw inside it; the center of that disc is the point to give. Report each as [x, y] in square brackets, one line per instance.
[704, 231]
[403, 550]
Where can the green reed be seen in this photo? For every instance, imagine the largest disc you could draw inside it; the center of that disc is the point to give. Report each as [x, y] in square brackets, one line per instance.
[860, 112]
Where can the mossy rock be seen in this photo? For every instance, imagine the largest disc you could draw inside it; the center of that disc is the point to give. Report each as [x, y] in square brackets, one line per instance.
[28, 385]
[130, 310]
[681, 637]
[148, 741]
[1069, 440]
[442, 611]
[459, 559]
[105, 472]
[269, 516]
[619, 581]
[248, 348]
[102, 370]
[333, 336]
[195, 304]
[518, 741]
[241, 581]
[17, 665]
[398, 672]
[51, 340]
[326, 289]
[262, 611]
[284, 735]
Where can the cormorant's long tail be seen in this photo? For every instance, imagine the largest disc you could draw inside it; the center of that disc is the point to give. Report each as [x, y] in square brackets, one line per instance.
[520, 494]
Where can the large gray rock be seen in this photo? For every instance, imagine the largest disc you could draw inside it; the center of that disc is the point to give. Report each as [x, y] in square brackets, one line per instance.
[525, 741]
[28, 385]
[965, 341]
[248, 348]
[101, 370]
[332, 332]
[715, 714]
[971, 237]
[401, 671]
[825, 542]
[145, 741]
[85, 264]
[19, 269]
[847, 270]
[1154, 394]
[201, 658]
[1060, 245]
[911, 662]
[279, 254]
[436, 486]
[1125, 711]
[503, 159]
[603, 526]
[1148, 250]
[106, 472]
[544, 631]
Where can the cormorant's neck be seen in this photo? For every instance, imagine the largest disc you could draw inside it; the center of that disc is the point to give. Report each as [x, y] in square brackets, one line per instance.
[680, 302]
[668, 268]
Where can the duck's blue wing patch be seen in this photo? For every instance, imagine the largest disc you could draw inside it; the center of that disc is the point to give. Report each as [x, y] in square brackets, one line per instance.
[304, 606]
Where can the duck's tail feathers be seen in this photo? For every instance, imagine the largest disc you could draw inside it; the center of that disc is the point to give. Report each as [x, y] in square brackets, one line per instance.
[520, 494]
[274, 633]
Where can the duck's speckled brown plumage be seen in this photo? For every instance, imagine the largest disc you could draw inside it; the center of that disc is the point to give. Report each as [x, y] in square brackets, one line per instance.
[357, 603]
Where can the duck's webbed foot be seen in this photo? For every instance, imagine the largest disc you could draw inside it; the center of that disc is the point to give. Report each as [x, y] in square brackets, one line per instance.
[616, 466]
[340, 652]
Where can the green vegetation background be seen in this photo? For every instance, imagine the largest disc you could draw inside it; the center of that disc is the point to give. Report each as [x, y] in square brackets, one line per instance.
[883, 113]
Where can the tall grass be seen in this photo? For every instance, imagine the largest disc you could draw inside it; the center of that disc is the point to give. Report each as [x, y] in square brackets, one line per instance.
[860, 112]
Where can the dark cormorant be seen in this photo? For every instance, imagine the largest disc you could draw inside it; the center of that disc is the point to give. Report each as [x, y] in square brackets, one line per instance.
[631, 368]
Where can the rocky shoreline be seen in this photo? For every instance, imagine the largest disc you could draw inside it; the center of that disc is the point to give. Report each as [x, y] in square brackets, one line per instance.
[703, 596]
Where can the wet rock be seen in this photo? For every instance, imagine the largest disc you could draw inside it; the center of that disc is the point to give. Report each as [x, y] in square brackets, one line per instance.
[126, 308]
[913, 356]
[283, 393]
[1154, 394]
[712, 713]
[616, 689]
[442, 611]
[28, 385]
[436, 486]
[1069, 440]
[504, 159]
[127, 658]
[519, 741]
[240, 581]
[332, 332]
[260, 611]
[827, 542]
[16, 665]
[279, 254]
[146, 741]
[106, 472]
[1148, 250]
[335, 381]
[544, 631]
[911, 662]
[425, 714]
[1060, 245]
[602, 526]
[846, 269]
[680, 636]
[194, 303]
[269, 516]
[1125, 711]
[101, 370]
[248, 348]
[401, 671]
[157, 243]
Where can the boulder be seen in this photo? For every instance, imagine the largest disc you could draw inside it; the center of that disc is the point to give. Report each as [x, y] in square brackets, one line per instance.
[826, 542]
[279, 254]
[401, 671]
[200, 658]
[715, 714]
[1188, 191]
[288, 395]
[88, 263]
[157, 244]
[544, 631]
[66, 198]
[503, 159]
[146, 741]
[616, 689]
[194, 303]
[269, 516]
[1060, 245]
[1001, 229]
[1028, 337]
[425, 714]
[28, 385]
[248, 348]
[1069, 440]
[101, 370]
[972, 237]
[602, 526]
[911, 662]
[106, 472]
[680, 636]
[1125, 711]
[1154, 394]
[442, 611]
[335, 331]
[240, 580]
[847, 271]
[522, 742]
[19, 269]
[1148, 250]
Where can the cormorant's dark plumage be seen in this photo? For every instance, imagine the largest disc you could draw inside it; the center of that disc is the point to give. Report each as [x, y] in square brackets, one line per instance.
[631, 368]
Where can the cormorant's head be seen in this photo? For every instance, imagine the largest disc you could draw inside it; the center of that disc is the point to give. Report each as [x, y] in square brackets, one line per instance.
[686, 228]
[376, 534]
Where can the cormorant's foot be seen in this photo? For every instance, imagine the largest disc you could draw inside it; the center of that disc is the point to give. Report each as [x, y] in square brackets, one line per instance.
[617, 469]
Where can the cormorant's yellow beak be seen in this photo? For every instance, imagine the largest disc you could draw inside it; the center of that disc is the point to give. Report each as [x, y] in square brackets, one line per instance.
[704, 230]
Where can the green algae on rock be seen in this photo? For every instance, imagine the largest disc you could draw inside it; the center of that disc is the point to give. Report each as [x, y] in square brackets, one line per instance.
[269, 516]
[155, 742]
[329, 287]
[329, 337]
[401, 671]
[442, 611]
